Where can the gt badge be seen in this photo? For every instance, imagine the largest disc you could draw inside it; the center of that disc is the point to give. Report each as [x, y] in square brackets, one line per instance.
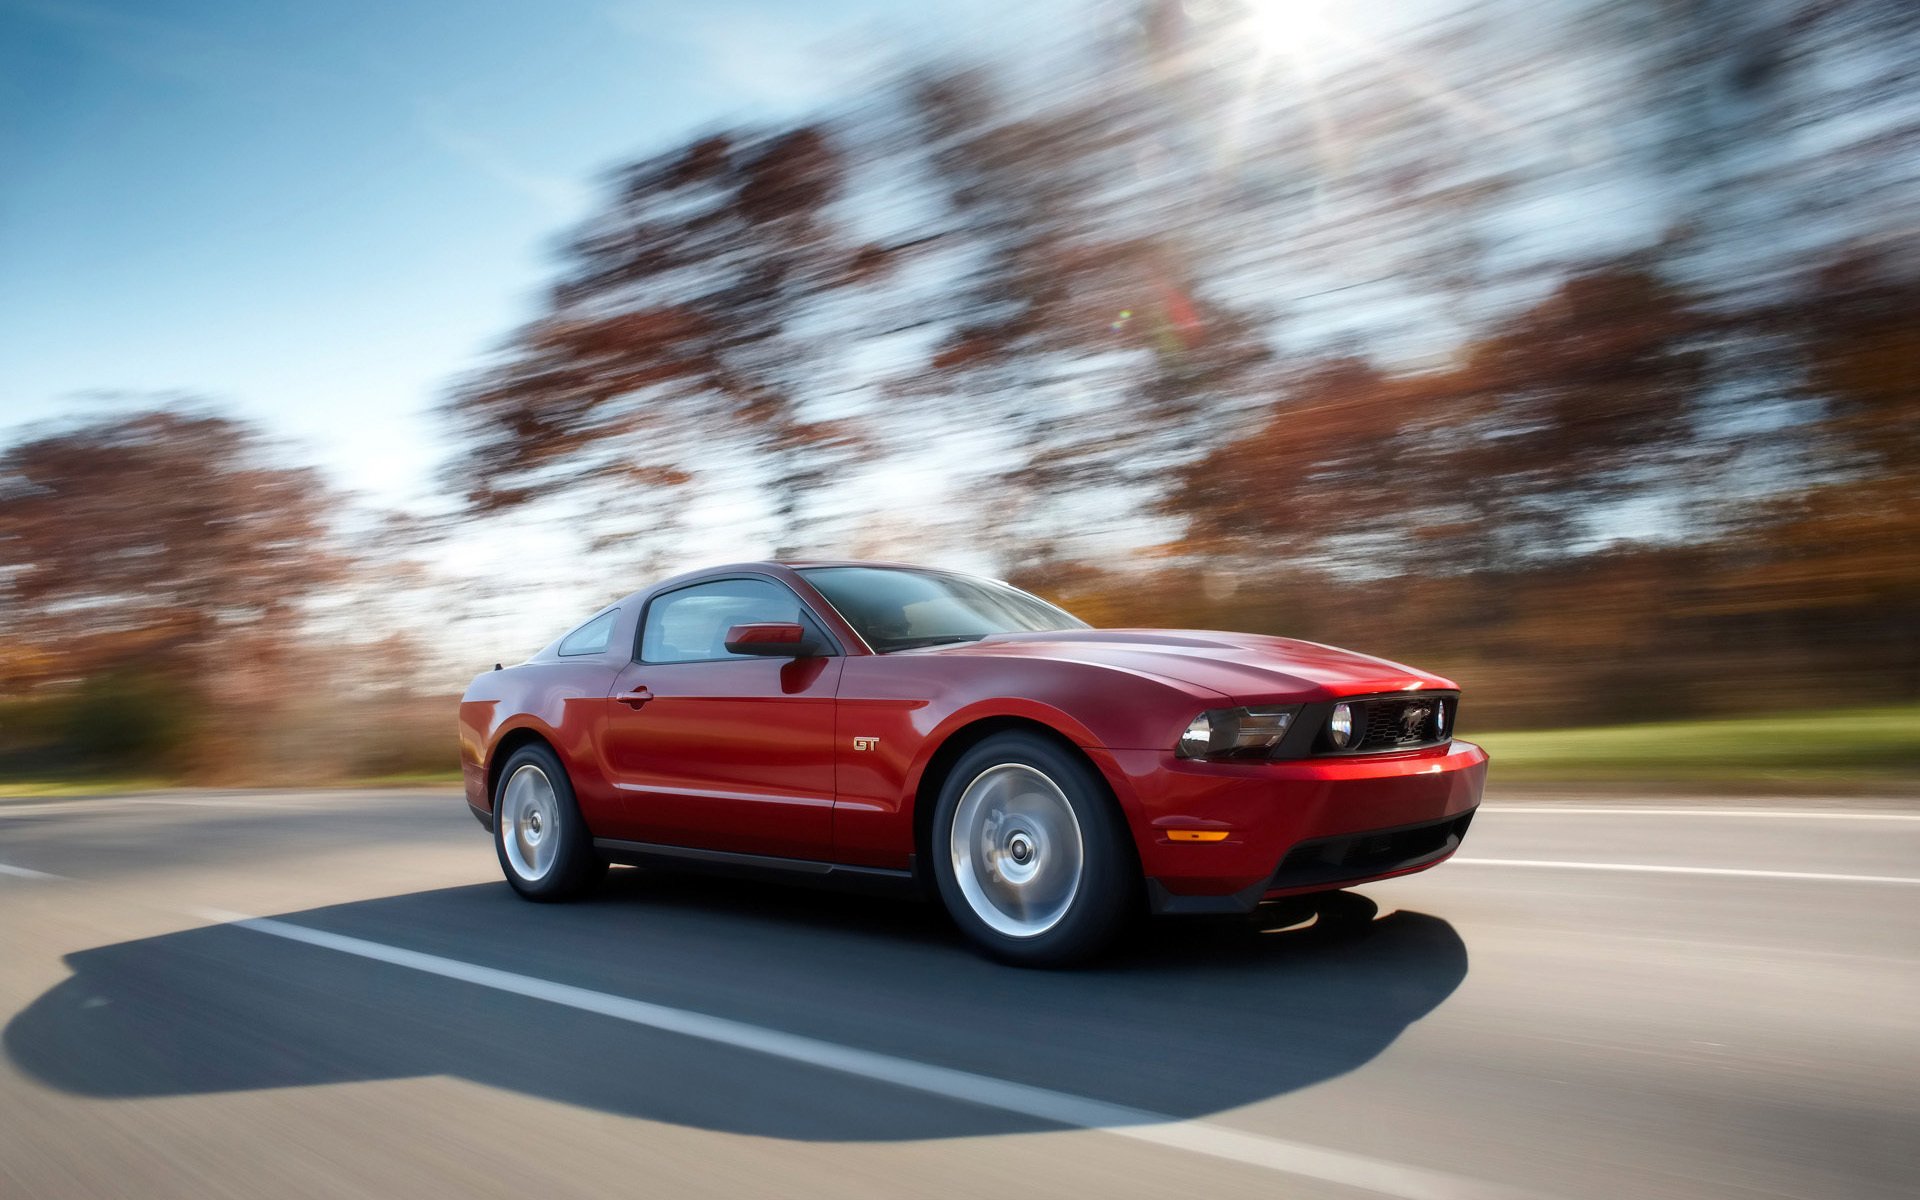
[865, 743]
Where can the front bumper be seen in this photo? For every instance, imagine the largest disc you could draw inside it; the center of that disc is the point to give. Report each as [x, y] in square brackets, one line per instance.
[1291, 827]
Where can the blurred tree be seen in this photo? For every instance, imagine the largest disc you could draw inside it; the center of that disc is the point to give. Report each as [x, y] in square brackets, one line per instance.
[1513, 456]
[165, 556]
[1576, 407]
[1831, 554]
[1328, 475]
[1777, 133]
[1079, 326]
[1862, 320]
[678, 331]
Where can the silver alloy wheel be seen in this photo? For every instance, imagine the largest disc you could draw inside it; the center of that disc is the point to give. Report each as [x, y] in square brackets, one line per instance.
[1016, 850]
[530, 817]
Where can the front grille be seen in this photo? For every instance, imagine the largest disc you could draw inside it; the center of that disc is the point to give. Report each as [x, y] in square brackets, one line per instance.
[1363, 855]
[1399, 724]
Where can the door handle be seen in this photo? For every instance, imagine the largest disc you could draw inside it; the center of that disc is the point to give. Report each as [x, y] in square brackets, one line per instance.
[636, 697]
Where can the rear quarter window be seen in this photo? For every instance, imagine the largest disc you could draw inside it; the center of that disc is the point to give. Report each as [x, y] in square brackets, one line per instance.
[591, 638]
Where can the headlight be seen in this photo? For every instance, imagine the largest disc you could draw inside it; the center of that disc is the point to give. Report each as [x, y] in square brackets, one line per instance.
[1234, 732]
[1340, 726]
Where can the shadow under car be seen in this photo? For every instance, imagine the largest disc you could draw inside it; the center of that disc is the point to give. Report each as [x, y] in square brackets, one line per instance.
[1192, 1017]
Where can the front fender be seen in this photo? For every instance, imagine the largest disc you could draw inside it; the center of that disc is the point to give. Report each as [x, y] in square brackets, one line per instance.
[1054, 718]
[563, 704]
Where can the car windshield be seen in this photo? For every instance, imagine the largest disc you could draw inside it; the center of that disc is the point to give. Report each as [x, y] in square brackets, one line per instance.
[897, 609]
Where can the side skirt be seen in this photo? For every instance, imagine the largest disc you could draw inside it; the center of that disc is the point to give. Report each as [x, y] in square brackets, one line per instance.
[765, 866]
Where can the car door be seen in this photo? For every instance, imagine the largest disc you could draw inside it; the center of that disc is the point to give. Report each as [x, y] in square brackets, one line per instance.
[718, 751]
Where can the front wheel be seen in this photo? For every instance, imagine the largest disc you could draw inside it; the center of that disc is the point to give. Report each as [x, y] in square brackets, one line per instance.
[544, 847]
[1030, 853]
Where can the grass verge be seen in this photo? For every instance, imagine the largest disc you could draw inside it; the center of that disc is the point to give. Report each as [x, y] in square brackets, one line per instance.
[1843, 748]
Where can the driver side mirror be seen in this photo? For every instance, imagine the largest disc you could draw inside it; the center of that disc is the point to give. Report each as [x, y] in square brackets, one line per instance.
[771, 639]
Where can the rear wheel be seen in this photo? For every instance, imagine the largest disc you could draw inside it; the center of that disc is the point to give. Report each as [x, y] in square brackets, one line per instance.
[1030, 853]
[544, 847]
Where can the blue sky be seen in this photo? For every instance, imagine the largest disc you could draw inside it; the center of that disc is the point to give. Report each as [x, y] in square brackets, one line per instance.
[317, 215]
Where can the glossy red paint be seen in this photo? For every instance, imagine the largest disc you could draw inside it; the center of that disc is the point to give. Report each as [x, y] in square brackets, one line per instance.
[734, 755]
[828, 758]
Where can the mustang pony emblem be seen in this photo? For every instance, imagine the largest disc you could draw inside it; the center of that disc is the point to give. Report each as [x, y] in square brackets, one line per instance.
[1413, 720]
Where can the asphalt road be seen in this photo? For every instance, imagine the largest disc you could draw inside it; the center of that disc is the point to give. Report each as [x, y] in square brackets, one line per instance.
[1727, 1005]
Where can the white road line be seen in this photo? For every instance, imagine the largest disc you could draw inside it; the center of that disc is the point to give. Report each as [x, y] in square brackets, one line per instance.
[1656, 869]
[1798, 814]
[1061, 1108]
[26, 872]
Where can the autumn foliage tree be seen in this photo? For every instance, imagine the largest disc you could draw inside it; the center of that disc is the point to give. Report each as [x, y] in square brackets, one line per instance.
[677, 333]
[1833, 550]
[1512, 457]
[157, 566]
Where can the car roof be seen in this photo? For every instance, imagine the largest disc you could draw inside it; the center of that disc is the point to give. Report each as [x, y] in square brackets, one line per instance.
[783, 569]
[801, 563]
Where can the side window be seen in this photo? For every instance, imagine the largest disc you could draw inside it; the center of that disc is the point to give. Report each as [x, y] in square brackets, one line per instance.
[592, 637]
[690, 625]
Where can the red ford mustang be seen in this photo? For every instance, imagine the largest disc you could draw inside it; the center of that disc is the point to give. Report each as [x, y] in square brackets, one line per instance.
[894, 725]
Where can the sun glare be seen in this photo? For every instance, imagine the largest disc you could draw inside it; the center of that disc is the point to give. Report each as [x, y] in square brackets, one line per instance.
[1300, 30]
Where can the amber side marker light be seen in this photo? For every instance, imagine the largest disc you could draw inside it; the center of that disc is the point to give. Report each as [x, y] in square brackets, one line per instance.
[1197, 835]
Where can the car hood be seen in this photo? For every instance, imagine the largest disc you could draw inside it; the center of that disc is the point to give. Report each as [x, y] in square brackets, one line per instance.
[1243, 666]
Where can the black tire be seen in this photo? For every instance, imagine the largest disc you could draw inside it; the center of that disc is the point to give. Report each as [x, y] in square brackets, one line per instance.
[549, 854]
[980, 893]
